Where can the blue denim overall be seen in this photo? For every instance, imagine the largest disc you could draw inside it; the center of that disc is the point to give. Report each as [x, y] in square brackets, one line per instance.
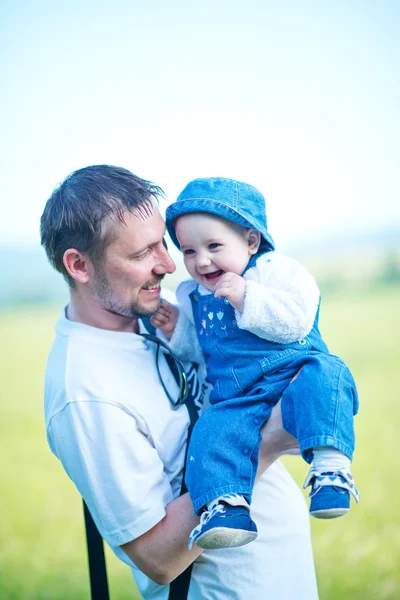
[250, 375]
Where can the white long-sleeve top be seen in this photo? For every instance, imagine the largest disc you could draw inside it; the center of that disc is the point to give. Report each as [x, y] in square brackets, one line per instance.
[280, 305]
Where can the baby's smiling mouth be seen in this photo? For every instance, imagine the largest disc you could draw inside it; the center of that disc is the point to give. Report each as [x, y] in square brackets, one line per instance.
[213, 276]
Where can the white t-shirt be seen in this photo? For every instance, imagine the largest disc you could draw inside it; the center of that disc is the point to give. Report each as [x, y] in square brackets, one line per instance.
[112, 427]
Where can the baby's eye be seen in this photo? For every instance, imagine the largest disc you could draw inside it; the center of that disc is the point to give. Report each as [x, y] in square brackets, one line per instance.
[188, 251]
[214, 246]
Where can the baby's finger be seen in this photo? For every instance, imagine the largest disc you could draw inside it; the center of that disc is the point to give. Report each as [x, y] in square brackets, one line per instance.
[166, 305]
[221, 292]
[158, 320]
[163, 312]
[228, 277]
[223, 285]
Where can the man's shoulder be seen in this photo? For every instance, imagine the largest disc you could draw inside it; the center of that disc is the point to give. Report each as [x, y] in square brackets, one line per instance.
[84, 367]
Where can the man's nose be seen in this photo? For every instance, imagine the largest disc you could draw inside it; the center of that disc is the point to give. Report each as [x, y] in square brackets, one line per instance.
[164, 263]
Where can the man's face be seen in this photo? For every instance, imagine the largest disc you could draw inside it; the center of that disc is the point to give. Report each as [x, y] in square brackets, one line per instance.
[127, 282]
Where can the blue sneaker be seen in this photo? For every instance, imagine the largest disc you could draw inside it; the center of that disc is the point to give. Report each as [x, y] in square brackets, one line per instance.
[330, 493]
[224, 525]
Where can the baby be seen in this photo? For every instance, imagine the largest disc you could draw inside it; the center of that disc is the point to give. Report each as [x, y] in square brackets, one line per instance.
[253, 315]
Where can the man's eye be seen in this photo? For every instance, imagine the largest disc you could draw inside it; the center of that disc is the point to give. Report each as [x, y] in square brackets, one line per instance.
[143, 254]
[188, 251]
[214, 246]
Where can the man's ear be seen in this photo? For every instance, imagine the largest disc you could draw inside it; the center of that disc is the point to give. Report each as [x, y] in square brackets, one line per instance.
[77, 265]
[253, 240]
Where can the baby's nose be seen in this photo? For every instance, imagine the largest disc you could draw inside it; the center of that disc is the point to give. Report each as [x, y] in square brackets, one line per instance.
[203, 260]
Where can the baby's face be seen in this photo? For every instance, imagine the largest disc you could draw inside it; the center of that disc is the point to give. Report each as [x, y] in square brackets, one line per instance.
[212, 246]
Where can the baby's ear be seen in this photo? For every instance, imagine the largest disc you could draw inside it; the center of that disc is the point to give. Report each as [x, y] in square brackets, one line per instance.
[253, 240]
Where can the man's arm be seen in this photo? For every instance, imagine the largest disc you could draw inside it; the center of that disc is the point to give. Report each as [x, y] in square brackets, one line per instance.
[275, 441]
[122, 479]
[162, 553]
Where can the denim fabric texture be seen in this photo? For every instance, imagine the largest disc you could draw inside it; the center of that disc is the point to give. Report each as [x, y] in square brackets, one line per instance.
[232, 200]
[250, 375]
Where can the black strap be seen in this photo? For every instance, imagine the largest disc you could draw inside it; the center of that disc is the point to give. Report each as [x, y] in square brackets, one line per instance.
[96, 558]
[179, 588]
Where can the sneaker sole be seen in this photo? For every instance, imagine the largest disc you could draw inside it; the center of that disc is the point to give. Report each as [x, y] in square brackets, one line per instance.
[329, 513]
[221, 537]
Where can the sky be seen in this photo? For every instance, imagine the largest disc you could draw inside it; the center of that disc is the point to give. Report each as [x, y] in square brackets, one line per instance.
[299, 98]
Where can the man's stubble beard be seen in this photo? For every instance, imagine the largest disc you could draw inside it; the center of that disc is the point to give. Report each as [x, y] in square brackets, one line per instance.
[104, 295]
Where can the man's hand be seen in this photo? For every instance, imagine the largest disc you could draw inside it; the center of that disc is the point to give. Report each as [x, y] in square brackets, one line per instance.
[165, 318]
[233, 287]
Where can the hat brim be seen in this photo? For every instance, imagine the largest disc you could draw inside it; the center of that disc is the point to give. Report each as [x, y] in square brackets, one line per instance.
[214, 207]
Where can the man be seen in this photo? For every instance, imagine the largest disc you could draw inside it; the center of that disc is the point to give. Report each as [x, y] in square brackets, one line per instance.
[109, 417]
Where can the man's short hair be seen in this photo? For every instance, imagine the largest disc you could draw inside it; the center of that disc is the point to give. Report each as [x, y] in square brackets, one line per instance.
[75, 212]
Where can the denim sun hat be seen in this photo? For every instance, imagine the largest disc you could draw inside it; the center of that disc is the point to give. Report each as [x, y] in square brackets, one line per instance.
[227, 198]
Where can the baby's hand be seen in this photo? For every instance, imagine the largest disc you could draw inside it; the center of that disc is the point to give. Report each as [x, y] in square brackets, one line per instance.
[233, 287]
[165, 318]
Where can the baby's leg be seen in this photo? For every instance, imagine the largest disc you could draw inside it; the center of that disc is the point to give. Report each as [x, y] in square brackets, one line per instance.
[331, 483]
[221, 468]
[319, 406]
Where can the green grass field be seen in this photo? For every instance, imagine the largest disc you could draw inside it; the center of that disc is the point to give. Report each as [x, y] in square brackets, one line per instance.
[42, 547]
